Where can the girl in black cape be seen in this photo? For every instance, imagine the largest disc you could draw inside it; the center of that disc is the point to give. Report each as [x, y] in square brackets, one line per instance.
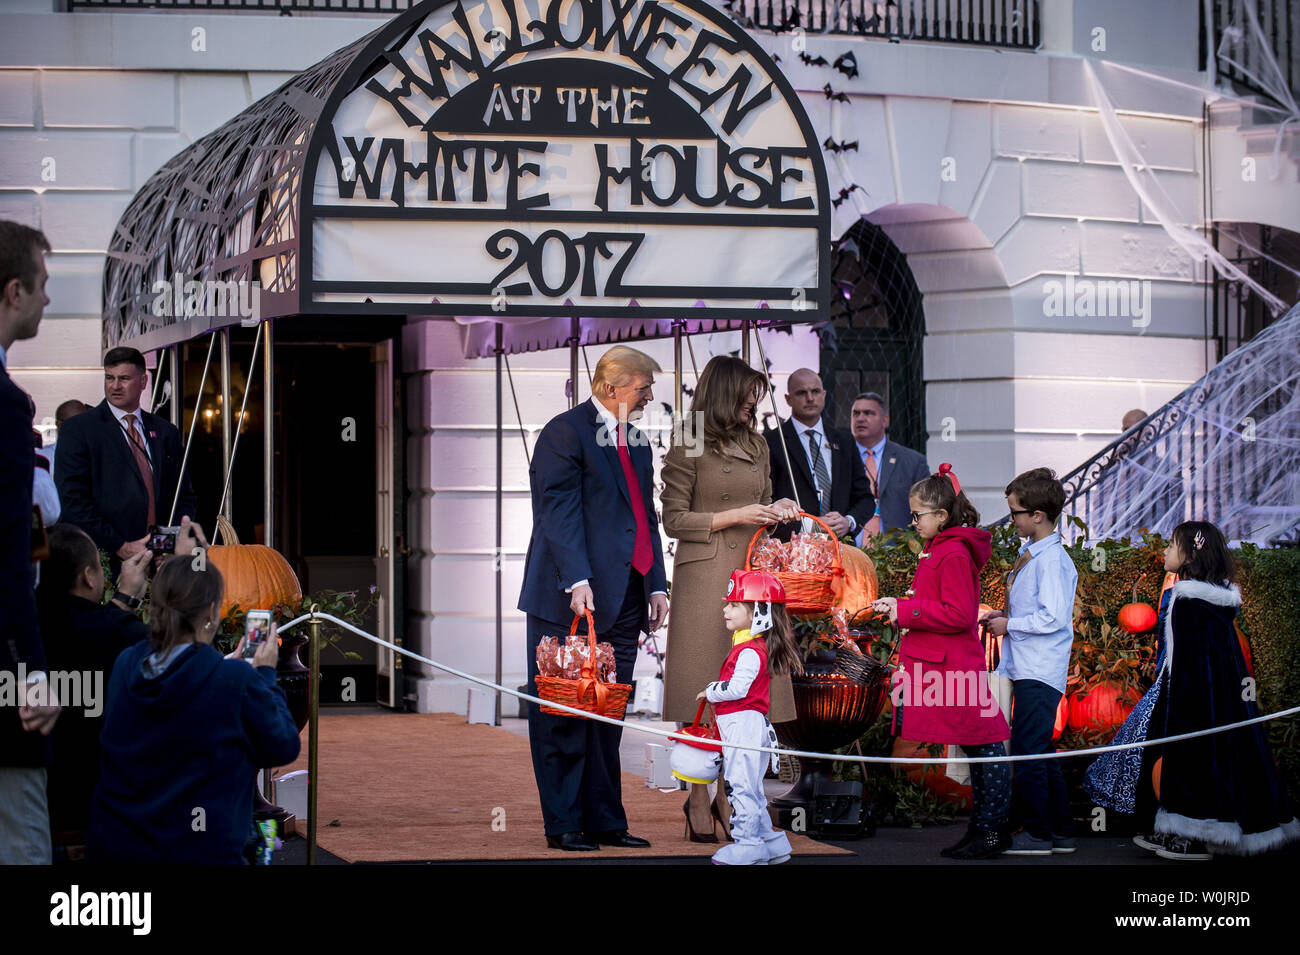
[1219, 794]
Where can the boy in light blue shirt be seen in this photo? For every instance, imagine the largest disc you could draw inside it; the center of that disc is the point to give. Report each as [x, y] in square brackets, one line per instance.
[1039, 626]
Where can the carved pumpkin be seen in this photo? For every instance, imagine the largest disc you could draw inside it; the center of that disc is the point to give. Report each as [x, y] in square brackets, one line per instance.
[1104, 706]
[933, 777]
[860, 585]
[1136, 617]
[256, 576]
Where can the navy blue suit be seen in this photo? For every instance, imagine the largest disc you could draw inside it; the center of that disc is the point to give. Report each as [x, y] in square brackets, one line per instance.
[20, 637]
[584, 528]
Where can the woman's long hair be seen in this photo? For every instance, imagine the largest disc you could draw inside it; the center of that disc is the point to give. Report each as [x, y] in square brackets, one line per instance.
[180, 599]
[782, 651]
[724, 386]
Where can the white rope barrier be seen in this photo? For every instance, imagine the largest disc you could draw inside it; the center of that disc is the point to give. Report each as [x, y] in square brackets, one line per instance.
[896, 760]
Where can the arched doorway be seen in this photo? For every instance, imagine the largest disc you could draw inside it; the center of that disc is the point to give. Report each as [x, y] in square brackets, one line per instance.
[873, 341]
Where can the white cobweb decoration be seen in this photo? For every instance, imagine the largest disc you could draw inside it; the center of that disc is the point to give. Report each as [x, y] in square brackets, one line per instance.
[1226, 450]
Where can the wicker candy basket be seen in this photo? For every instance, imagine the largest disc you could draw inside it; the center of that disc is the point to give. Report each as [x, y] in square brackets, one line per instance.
[587, 692]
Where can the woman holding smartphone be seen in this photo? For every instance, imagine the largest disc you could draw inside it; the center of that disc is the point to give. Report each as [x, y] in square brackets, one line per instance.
[185, 732]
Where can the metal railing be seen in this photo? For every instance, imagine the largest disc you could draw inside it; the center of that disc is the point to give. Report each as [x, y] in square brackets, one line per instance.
[1004, 23]
[1217, 452]
[1280, 22]
[282, 7]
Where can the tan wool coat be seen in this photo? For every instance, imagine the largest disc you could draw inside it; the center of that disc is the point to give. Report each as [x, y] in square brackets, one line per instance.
[695, 488]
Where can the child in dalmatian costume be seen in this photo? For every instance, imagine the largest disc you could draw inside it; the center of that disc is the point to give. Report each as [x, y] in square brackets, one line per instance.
[762, 645]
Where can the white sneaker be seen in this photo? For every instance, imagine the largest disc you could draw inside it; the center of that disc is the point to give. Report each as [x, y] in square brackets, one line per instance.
[777, 847]
[1152, 843]
[738, 853]
[1184, 850]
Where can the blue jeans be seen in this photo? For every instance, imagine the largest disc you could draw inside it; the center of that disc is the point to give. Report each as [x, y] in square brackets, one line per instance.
[1039, 784]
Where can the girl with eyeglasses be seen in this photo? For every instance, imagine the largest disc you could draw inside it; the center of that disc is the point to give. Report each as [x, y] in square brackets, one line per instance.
[941, 690]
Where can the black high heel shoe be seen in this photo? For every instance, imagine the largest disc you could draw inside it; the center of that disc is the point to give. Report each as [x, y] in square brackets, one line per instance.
[710, 837]
[717, 817]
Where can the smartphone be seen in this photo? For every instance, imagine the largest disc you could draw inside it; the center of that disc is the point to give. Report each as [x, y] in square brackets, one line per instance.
[162, 540]
[257, 627]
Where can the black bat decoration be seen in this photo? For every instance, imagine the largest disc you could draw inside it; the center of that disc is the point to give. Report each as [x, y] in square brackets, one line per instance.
[847, 64]
[844, 194]
[839, 147]
[809, 61]
[833, 94]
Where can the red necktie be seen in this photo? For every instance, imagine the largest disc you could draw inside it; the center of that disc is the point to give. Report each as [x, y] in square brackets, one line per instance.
[643, 556]
[141, 462]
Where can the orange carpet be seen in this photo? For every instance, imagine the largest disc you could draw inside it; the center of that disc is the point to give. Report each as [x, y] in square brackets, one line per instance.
[408, 787]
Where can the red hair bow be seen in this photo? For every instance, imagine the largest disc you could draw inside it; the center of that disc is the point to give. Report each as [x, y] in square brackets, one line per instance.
[946, 468]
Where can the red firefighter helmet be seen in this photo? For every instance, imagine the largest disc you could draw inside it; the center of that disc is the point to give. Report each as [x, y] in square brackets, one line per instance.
[755, 585]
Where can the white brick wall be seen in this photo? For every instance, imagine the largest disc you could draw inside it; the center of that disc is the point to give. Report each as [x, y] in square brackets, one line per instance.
[1037, 195]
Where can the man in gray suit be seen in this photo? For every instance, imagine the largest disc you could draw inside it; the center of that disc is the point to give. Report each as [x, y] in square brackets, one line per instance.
[891, 468]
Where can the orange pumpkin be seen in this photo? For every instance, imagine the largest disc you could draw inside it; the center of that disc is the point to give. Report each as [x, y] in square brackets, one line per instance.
[1062, 717]
[933, 777]
[1103, 706]
[860, 585]
[256, 576]
[1136, 617]
[1245, 649]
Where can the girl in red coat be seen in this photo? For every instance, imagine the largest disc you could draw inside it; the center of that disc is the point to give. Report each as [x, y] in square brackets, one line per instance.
[941, 691]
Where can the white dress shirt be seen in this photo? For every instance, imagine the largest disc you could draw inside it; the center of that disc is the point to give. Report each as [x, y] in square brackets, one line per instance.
[120, 415]
[609, 422]
[823, 443]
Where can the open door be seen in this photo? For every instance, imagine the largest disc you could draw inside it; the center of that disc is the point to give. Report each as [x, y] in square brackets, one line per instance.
[388, 676]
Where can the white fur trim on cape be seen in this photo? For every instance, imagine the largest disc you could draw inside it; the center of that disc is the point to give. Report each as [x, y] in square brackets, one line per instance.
[1229, 596]
[1226, 838]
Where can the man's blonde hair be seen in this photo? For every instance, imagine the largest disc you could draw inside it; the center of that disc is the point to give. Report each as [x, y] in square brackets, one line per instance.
[617, 366]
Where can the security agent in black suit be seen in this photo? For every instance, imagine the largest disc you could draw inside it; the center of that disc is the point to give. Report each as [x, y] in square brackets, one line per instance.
[24, 729]
[105, 455]
[847, 504]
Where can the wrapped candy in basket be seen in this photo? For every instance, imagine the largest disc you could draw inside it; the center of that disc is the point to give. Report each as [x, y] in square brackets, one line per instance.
[580, 672]
[808, 566]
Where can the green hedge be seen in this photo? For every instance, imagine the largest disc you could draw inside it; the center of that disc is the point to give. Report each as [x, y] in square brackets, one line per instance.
[1269, 618]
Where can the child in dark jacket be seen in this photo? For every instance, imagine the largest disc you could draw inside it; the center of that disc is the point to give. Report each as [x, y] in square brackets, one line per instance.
[185, 732]
[941, 692]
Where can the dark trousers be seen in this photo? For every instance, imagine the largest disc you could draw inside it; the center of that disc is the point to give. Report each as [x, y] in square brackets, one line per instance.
[575, 761]
[1039, 784]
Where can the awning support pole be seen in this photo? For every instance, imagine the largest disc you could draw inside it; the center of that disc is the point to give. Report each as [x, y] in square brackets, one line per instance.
[574, 340]
[771, 394]
[497, 554]
[225, 508]
[677, 369]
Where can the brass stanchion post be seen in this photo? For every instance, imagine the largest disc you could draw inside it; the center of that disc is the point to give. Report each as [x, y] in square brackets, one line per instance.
[313, 695]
